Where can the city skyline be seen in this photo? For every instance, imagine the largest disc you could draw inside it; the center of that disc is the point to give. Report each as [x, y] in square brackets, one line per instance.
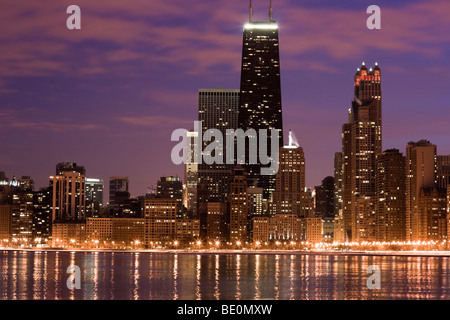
[232, 150]
[97, 135]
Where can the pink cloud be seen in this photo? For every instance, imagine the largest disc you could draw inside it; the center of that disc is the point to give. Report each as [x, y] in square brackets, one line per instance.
[10, 119]
[156, 121]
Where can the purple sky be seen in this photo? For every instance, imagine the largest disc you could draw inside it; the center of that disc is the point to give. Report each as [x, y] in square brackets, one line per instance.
[109, 96]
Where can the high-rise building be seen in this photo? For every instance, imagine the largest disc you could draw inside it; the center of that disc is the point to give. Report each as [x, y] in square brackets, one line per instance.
[238, 205]
[290, 196]
[338, 223]
[171, 188]
[324, 198]
[26, 183]
[432, 214]
[361, 143]
[94, 190]
[68, 193]
[256, 204]
[216, 221]
[5, 223]
[22, 214]
[313, 229]
[347, 219]
[187, 230]
[3, 179]
[94, 197]
[69, 167]
[217, 110]
[261, 229]
[390, 210]
[160, 220]
[117, 184]
[126, 207]
[42, 214]
[191, 174]
[365, 226]
[202, 207]
[442, 171]
[420, 173]
[338, 184]
[260, 91]
[448, 214]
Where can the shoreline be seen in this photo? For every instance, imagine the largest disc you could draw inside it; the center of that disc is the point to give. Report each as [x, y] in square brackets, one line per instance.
[244, 252]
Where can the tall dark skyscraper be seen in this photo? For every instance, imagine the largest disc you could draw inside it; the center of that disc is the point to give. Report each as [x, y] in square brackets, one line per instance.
[260, 97]
[325, 198]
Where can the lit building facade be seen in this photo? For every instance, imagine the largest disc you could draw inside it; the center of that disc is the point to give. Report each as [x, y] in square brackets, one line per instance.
[68, 233]
[42, 214]
[338, 184]
[216, 221]
[99, 229]
[420, 173]
[68, 193]
[22, 215]
[448, 214]
[261, 229]
[314, 229]
[287, 227]
[126, 231]
[290, 196]
[160, 220]
[171, 187]
[5, 222]
[238, 205]
[191, 173]
[187, 230]
[432, 214]
[390, 211]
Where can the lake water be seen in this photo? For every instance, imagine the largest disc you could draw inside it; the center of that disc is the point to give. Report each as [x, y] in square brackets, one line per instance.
[147, 275]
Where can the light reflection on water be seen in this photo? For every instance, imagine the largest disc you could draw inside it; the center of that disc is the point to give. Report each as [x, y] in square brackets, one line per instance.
[124, 275]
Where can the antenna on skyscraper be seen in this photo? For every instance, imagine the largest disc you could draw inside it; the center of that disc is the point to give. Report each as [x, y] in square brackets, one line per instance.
[250, 13]
[270, 12]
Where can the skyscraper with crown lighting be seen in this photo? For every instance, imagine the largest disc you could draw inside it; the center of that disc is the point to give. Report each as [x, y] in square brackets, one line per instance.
[361, 143]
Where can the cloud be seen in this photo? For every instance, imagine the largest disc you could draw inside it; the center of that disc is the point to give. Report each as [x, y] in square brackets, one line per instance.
[159, 121]
[10, 119]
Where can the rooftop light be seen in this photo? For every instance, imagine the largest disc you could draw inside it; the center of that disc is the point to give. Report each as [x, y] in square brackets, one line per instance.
[263, 26]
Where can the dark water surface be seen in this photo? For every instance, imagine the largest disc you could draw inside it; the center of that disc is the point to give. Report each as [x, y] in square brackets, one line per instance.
[147, 275]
